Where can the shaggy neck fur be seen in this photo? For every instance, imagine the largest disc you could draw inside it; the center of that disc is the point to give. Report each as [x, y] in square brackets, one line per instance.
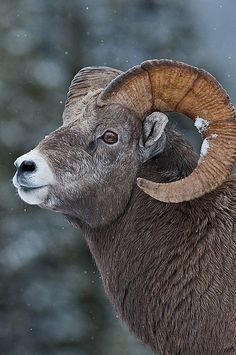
[169, 269]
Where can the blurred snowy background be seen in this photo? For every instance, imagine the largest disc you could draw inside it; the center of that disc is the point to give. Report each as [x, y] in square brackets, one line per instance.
[51, 298]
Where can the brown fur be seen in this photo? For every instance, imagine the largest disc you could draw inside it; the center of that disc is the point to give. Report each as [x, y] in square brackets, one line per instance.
[168, 269]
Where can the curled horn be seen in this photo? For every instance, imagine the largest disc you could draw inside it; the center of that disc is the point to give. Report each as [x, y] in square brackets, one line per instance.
[165, 85]
[85, 84]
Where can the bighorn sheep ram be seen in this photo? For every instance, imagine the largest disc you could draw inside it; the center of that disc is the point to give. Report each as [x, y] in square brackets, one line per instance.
[160, 223]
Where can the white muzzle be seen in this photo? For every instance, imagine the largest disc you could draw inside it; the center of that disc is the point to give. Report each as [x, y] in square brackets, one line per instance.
[33, 177]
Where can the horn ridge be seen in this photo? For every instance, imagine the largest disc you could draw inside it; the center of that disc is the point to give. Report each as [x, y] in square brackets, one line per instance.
[90, 79]
[131, 89]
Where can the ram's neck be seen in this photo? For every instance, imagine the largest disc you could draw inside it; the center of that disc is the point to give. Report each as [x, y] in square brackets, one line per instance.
[145, 222]
[141, 240]
[150, 257]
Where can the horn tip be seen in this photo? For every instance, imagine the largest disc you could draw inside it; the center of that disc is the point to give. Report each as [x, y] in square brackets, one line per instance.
[144, 184]
[141, 183]
[153, 189]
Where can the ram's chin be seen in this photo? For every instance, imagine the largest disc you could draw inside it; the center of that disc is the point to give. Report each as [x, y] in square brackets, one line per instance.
[33, 196]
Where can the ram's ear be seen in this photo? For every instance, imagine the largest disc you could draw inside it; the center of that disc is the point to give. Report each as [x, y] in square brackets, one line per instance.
[153, 137]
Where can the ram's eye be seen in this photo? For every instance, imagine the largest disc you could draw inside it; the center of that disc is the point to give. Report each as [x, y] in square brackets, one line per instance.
[110, 137]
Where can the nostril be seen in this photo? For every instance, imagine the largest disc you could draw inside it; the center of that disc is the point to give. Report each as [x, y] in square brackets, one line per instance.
[27, 166]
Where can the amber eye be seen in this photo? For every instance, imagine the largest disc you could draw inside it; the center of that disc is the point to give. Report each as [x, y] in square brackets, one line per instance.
[110, 137]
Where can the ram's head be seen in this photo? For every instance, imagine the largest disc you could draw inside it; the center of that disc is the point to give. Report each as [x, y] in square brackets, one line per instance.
[113, 122]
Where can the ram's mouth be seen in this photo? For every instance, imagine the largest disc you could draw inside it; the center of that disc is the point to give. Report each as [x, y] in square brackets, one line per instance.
[30, 188]
[33, 195]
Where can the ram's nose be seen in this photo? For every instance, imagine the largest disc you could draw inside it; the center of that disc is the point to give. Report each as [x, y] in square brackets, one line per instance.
[32, 170]
[25, 168]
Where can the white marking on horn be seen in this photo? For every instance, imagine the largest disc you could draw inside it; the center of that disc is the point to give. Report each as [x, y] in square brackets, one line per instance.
[204, 148]
[201, 124]
[206, 144]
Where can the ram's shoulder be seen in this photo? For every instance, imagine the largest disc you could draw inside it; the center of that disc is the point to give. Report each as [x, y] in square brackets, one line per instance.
[228, 189]
[224, 198]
